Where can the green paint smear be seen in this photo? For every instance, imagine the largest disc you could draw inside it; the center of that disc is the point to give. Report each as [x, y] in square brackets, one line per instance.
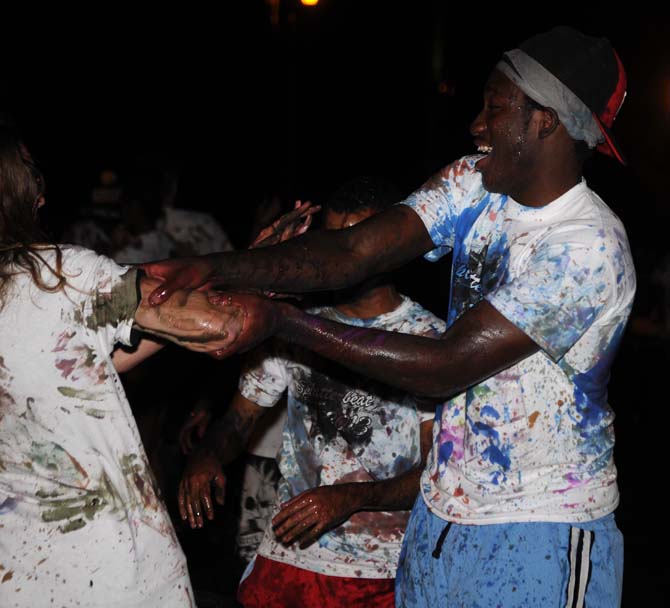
[481, 390]
[53, 457]
[73, 393]
[75, 524]
[118, 305]
[76, 512]
[90, 357]
[45, 494]
[91, 411]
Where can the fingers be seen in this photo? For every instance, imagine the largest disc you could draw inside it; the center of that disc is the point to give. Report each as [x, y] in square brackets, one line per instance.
[312, 535]
[182, 501]
[195, 499]
[304, 227]
[296, 526]
[292, 506]
[163, 292]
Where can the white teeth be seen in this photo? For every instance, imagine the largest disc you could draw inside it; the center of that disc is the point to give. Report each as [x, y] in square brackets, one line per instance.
[484, 149]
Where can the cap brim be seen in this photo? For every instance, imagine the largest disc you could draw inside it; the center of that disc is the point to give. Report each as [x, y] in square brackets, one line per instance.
[609, 146]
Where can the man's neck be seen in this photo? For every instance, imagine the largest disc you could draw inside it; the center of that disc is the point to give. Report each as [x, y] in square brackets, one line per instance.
[547, 193]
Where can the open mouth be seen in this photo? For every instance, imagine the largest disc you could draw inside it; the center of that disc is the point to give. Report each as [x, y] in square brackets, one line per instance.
[486, 150]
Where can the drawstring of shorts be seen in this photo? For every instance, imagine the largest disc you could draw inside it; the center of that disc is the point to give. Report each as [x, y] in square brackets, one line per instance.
[440, 541]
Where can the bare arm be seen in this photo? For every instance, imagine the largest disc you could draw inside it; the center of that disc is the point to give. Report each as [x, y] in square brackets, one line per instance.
[312, 513]
[481, 343]
[125, 360]
[312, 262]
[224, 441]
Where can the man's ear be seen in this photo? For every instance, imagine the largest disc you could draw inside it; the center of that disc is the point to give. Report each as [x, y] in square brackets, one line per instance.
[548, 123]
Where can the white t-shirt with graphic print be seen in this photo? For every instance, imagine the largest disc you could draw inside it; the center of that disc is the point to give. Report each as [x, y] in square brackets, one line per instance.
[342, 427]
[81, 523]
[534, 442]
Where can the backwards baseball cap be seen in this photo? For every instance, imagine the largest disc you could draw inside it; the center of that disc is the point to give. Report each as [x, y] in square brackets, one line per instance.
[580, 77]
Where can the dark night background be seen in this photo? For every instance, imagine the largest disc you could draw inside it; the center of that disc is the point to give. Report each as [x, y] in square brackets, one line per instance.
[245, 108]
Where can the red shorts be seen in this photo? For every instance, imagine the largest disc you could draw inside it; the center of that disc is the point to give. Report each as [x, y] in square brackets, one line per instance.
[272, 584]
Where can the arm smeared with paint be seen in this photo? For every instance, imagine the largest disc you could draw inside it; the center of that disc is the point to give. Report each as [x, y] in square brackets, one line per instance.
[309, 515]
[481, 343]
[222, 444]
[314, 261]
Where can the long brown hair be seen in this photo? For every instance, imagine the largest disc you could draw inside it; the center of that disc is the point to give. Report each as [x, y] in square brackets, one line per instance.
[22, 241]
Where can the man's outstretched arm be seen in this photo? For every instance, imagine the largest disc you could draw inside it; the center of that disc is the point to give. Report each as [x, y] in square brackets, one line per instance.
[312, 262]
[481, 343]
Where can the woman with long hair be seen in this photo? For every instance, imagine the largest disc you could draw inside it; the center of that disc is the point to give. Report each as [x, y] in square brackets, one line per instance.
[81, 522]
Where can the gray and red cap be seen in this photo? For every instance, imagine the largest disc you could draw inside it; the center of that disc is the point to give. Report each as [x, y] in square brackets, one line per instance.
[580, 77]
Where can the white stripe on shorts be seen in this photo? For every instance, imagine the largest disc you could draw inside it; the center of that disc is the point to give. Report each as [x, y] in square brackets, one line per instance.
[580, 566]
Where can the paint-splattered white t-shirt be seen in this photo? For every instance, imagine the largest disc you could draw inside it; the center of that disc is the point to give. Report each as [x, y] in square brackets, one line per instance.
[534, 442]
[341, 428]
[81, 523]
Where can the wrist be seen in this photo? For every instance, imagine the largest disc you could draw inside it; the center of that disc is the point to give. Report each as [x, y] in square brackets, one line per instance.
[285, 317]
[363, 496]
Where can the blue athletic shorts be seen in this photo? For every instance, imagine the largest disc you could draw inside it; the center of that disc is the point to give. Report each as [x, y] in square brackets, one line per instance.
[524, 565]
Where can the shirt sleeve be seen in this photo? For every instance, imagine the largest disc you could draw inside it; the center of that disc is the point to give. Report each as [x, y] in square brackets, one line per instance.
[105, 295]
[264, 377]
[440, 201]
[566, 284]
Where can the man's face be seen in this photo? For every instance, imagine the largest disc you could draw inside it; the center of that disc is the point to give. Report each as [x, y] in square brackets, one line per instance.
[503, 131]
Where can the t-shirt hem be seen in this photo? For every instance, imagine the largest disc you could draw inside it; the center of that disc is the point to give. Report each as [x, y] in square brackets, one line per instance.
[520, 517]
[353, 570]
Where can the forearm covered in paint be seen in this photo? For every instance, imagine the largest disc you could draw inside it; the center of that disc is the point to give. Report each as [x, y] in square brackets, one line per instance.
[311, 262]
[330, 259]
[481, 343]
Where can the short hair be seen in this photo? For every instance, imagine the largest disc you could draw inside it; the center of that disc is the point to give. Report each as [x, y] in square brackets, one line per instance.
[364, 192]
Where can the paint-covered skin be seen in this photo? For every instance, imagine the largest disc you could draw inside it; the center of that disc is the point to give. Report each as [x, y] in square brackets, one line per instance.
[342, 428]
[534, 442]
[81, 521]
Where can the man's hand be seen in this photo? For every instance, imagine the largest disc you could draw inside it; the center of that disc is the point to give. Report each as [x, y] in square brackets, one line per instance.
[202, 471]
[288, 226]
[179, 273]
[190, 320]
[199, 272]
[310, 514]
[261, 319]
[198, 421]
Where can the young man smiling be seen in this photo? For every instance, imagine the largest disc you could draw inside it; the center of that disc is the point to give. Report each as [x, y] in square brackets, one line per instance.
[520, 486]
